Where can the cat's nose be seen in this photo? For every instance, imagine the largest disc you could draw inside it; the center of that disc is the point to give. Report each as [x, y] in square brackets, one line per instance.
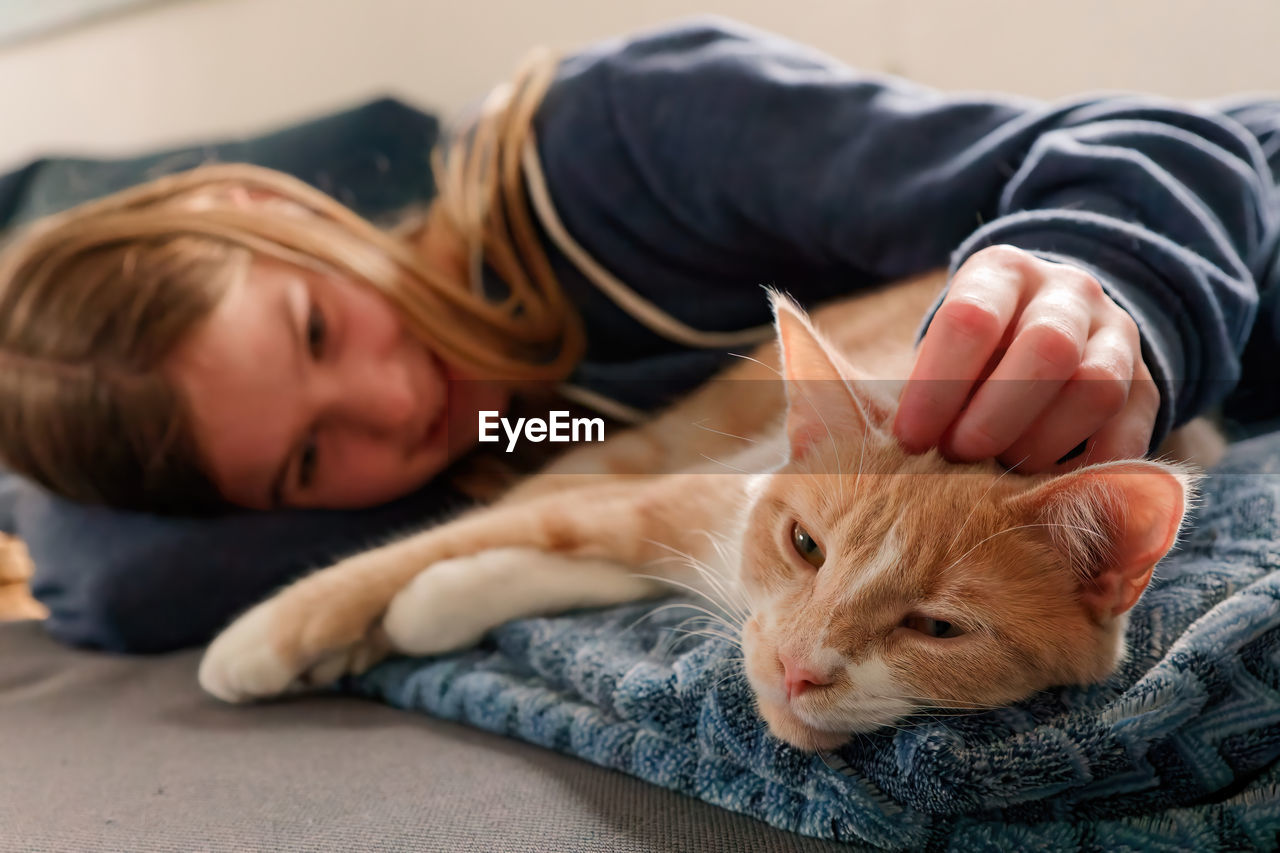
[798, 678]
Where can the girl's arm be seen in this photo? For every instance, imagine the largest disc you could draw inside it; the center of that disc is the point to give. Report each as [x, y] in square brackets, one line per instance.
[731, 152]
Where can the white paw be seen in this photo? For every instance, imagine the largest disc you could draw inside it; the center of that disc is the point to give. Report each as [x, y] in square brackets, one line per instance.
[451, 605]
[241, 664]
[443, 609]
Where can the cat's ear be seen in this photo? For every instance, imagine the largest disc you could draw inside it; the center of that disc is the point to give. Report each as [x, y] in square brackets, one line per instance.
[1114, 522]
[821, 405]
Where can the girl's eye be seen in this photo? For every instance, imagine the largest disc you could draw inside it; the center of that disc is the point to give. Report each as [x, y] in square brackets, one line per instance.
[316, 331]
[806, 547]
[307, 463]
[938, 628]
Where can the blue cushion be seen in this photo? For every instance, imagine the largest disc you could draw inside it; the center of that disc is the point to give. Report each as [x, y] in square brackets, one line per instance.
[132, 582]
[140, 583]
[374, 158]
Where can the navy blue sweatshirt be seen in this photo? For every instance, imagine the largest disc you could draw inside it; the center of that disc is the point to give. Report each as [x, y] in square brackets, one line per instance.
[689, 166]
[700, 162]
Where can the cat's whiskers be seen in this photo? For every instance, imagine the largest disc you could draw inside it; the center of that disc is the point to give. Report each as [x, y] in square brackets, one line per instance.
[859, 707]
[719, 618]
[726, 611]
[923, 719]
[733, 676]
[738, 665]
[712, 577]
[715, 620]
[1011, 530]
[950, 704]
[822, 756]
[724, 464]
[857, 476]
[898, 727]
[720, 576]
[867, 708]
[719, 543]
[933, 709]
[862, 453]
[769, 367]
[860, 736]
[709, 633]
[702, 425]
[654, 613]
[977, 504]
[735, 665]
[721, 600]
[671, 643]
[763, 725]
[703, 613]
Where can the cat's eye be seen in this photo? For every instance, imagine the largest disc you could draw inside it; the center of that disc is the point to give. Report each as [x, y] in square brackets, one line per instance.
[937, 628]
[808, 549]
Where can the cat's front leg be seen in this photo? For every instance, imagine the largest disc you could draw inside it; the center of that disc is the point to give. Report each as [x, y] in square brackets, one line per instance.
[451, 605]
[326, 625]
[329, 623]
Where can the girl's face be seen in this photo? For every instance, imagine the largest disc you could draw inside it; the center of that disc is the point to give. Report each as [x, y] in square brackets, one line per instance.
[306, 390]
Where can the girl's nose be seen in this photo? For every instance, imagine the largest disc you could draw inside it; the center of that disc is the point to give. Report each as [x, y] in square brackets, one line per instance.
[377, 397]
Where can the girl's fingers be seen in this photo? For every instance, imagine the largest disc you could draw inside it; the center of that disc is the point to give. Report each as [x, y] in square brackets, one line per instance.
[1045, 353]
[1095, 394]
[1128, 434]
[964, 333]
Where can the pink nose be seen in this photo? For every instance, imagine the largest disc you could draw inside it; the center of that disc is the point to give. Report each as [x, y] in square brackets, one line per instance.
[798, 678]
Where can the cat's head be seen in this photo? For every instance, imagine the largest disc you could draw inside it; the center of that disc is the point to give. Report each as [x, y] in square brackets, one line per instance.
[883, 583]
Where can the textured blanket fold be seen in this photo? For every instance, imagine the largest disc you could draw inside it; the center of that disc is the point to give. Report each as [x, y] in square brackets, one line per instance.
[1176, 751]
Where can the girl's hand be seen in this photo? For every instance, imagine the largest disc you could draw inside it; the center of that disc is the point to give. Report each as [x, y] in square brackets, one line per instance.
[1024, 361]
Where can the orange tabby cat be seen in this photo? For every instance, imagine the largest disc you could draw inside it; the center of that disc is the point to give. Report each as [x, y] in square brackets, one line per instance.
[865, 583]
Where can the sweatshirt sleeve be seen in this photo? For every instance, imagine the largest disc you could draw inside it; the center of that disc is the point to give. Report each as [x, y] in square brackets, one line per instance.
[714, 138]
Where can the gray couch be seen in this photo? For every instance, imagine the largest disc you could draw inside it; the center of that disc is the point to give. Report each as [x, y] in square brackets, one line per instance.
[101, 752]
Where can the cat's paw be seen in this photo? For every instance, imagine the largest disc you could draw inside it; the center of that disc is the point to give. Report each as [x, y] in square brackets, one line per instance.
[446, 607]
[290, 642]
[451, 605]
[242, 664]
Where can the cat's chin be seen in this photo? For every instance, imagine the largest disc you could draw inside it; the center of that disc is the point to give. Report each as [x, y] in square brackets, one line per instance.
[786, 726]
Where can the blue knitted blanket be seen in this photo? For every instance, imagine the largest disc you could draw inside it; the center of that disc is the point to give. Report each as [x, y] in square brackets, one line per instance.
[1177, 751]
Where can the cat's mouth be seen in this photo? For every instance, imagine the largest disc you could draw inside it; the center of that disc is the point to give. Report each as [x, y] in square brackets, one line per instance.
[786, 725]
[808, 728]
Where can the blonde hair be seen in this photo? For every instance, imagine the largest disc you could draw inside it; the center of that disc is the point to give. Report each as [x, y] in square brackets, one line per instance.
[93, 300]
